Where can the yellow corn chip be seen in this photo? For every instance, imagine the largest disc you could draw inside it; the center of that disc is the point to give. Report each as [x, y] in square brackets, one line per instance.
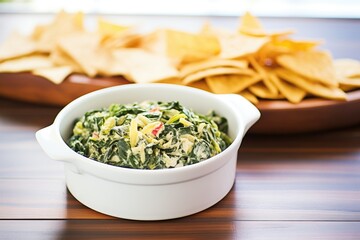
[251, 25]
[63, 25]
[108, 28]
[124, 39]
[315, 88]
[347, 68]
[142, 66]
[240, 45]
[314, 65]
[38, 31]
[60, 58]
[211, 63]
[200, 84]
[260, 90]
[25, 64]
[350, 82]
[264, 75]
[249, 96]
[347, 73]
[117, 36]
[208, 29]
[16, 45]
[55, 74]
[184, 46]
[83, 48]
[346, 88]
[268, 53]
[250, 22]
[216, 71]
[290, 45]
[291, 92]
[175, 80]
[231, 83]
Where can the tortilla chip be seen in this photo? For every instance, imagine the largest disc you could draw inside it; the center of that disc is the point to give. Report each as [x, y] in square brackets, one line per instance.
[83, 48]
[117, 36]
[239, 45]
[260, 90]
[264, 75]
[291, 45]
[315, 88]
[142, 66]
[250, 22]
[63, 25]
[347, 73]
[200, 85]
[16, 45]
[291, 92]
[209, 30]
[277, 47]
[351, 82]
[347, 88]
[61, 58]
[174, 80]
[25, 64]
[211, 63]
[108, 28]
[125, 39]
[216, 71]
[251, 25]
[314, 65]
[249, 96]
[231, 83]
[55, 74]
[347, 68]
[38, 31]
[183, 46]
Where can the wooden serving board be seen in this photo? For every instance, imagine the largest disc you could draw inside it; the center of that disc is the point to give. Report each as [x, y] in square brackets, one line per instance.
[277, 116]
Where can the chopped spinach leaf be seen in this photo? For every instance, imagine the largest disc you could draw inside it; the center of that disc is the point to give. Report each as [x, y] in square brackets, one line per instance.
[149, 135]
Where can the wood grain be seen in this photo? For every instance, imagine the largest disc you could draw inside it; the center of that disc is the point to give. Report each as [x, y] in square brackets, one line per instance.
[177, 229]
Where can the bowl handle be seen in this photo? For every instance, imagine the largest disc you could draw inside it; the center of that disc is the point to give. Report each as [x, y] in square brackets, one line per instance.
[50, 144]
[248, 111]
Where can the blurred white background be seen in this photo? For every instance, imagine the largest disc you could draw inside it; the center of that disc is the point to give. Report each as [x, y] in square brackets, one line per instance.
[265, 8]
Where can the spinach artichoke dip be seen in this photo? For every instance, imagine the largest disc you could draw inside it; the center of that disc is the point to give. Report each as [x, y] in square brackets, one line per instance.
[149, 135]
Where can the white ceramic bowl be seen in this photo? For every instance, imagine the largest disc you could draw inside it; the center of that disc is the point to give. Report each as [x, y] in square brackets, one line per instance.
[149, 194]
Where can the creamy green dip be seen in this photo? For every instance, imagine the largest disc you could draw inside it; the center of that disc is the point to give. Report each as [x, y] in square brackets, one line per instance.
[149, 135]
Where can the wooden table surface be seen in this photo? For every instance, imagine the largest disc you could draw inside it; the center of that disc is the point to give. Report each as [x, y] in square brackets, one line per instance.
[304, 186]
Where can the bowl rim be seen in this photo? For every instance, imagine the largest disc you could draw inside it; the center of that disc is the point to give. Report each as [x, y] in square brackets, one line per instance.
[210, 164]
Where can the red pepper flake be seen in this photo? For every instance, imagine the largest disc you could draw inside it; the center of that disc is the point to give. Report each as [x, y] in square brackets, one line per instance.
[157, 129]
[95, 135]
[155, 109]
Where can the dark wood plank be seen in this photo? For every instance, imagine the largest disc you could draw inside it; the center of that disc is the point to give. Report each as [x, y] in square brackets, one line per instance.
[177, 229]
[41, 199]
[20, 116]
[289, 189]
[21, 155]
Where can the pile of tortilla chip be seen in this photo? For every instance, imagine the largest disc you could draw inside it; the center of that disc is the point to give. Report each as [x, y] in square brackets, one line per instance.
[64, 46]
[250, 61]
[260, 64]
